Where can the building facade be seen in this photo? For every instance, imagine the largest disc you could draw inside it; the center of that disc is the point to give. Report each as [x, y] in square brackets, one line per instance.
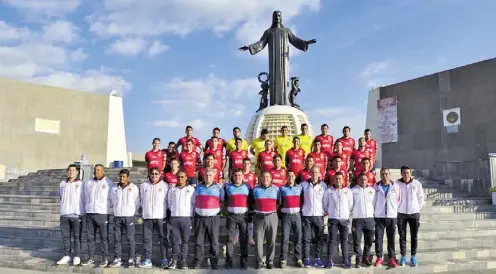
[44, 127]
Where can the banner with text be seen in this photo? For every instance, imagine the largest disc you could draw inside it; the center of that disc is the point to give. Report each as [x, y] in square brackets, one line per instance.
[387, 120]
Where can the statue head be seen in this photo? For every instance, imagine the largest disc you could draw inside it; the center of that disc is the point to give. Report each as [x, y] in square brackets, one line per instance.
[294, 81]
[276, 19]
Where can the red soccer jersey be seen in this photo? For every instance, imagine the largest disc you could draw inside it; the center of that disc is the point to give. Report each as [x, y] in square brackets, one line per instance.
[170, 155]
[371, 146]
[218, 157]
[250, 179]
[155, 159]
[170, 178]
[189, 162]
[330, 176]
[221, 143]
[348, 144]
[320, 160]
[357, 156]
[184, 142]
[295, 160]
[236, 158]
[327, 142]
[266, 160]
[201, 175]
[345, 159]
[278, 176]
[303, 175]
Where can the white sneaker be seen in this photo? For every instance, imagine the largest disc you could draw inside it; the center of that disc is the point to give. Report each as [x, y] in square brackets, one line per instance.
[64, 260]
[76, 261]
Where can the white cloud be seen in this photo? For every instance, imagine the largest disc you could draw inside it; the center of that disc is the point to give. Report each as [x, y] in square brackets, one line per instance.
[128, 46]
[60, 32]
[157, 48]
[49, 8]
[337, 118]
[48, 56]
[200, 102]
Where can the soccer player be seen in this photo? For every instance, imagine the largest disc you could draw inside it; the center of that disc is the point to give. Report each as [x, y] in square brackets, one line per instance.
[258, 145]
[125, 200]
[237, 156]
[306, 173]
[155, 157]
[171, 176]
[370, 176]
[326, 140]
[386, 202]
[305, 139]
[312, 212]
[209, 164]
[153, 194]
[283, 143]
[71, 214]
[97, 207]
[357, 156]
[336, 166]
[320, 158]
[181, 202]
[183, 141]
[219, 157]
[190, 161]
[347, 141]
[170, 153]
[338, 201]
[266, 198]
[238, 197]
[209, 198]
[291, 220]
[371, 146]
[363, 220]
[295, 157]
[338, 151]
[409, 212]
[278, 173]
[231, 144]
[265, 161]
[221, 142]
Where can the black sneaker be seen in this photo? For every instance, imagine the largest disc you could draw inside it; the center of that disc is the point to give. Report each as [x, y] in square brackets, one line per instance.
[103, 263]
[87, 262]
[229, 265]
[172, 264]
[244, 265]
[197, 265]
[184, 265]
[270, 265]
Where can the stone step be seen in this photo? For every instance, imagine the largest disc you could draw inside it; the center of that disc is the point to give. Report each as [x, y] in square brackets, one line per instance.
[450, 209]
[425, 266]
[51, 207]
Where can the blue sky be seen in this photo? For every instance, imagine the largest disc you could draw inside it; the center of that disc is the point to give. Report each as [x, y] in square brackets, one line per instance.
[176, 61]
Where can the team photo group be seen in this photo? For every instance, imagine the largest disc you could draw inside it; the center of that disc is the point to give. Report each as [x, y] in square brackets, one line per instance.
[298, 185]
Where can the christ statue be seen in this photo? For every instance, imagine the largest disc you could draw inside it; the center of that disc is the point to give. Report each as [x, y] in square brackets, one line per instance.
[278, 37]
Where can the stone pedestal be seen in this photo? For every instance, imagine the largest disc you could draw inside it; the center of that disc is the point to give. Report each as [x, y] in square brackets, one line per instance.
[492, 167]
[273, 118]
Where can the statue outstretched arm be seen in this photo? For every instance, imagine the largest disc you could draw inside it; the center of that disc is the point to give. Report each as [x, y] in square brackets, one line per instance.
[257, 46]
[298, 42]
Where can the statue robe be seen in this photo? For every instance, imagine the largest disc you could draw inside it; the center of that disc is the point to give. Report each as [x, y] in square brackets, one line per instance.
[278, 39]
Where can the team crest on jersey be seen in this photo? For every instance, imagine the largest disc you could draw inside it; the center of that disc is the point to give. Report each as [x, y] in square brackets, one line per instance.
[300, 152]
[393, 190]
[103, 187]
[129, 190]
[159, 190]
[345, 192]
[413, 187]
[371, 193]
[77, 186]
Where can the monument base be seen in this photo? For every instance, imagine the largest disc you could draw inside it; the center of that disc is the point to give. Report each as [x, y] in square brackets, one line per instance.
[273, 118]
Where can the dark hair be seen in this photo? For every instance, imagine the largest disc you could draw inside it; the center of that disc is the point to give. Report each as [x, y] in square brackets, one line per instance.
[238, 170]
[264, 131]
[99, 165]
[213, 137]
[171, 143]
[405, 167]
[209, 154]
[189, 127]
[124, 171]
[238, 139]
[190, 141]
[303, 125]
[153, 168]
[316, 141]
[347, 127]
[367, 130]
[361, 138]
[296, 138]
[236, 128]
[362, 174]
[338, 173]
[216, 128]
[309, 156]
[246, 160]
[174, 159]
[277, 156]
[365, 159]
[284, 127]
[335, 158]
[324, 125]
[72, 165]
[156, 139]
